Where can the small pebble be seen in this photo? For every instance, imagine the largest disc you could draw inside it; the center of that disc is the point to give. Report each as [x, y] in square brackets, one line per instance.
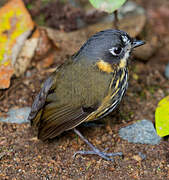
[28, 74]
[137, 158]
[143, 156]
[140, 132]
[167, 71]
[17, 115]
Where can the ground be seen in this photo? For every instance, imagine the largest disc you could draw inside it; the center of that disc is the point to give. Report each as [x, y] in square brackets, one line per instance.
[22, 156]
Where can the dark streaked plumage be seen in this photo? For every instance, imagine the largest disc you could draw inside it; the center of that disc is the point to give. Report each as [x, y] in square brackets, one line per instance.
[88, 87]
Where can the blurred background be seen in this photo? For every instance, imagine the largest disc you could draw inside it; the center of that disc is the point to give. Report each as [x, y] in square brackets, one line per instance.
[36, 37]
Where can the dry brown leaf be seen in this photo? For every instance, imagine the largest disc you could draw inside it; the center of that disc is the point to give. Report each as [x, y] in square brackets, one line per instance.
[15, 26]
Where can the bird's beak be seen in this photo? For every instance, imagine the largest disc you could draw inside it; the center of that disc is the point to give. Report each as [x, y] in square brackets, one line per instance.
[137, 43]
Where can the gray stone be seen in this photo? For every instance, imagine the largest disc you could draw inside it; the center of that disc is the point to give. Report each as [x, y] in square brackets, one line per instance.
[167, 71]
[19, 115]
[140, 132]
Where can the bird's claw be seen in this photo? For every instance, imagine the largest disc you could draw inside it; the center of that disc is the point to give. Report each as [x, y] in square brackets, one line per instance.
[95, 151]
[103, 154]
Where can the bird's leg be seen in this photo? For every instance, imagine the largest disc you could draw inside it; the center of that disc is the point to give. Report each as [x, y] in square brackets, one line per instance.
[96, 151]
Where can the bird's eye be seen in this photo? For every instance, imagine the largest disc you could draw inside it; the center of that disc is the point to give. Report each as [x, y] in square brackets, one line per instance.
[116, 51]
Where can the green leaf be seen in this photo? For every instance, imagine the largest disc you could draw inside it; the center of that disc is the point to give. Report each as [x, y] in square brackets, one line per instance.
[107, 5]
[29, 6]
[162, 117]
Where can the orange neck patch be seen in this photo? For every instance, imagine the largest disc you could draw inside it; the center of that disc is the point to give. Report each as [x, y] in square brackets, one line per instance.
[104, 66]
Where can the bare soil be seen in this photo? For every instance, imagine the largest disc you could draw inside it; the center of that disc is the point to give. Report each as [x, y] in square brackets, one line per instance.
[22, 156]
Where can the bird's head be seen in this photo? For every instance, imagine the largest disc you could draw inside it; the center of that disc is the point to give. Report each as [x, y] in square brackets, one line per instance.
[109, 47]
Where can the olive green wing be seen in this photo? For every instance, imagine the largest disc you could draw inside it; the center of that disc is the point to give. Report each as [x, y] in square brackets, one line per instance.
[55, 120]
[49, 117]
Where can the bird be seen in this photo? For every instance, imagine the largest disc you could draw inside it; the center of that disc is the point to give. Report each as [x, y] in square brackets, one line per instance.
[87, 87]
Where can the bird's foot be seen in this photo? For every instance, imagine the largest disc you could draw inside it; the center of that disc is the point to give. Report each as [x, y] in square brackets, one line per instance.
[103, 154]
[95, 151]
